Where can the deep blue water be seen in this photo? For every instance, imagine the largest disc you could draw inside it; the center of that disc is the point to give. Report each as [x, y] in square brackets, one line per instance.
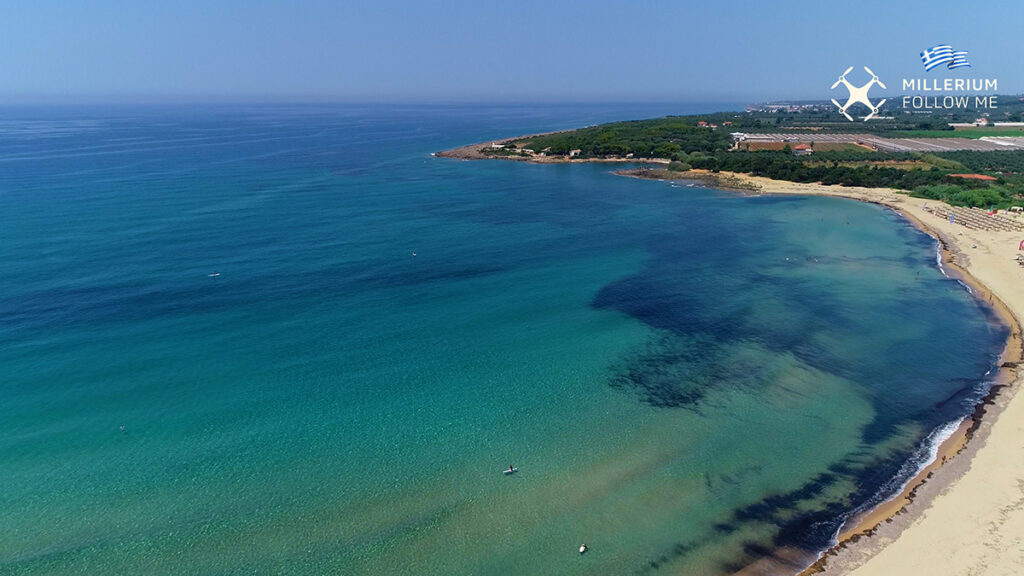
[687, 379]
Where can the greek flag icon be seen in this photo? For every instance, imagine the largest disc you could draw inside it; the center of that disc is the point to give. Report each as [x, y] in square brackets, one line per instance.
[944, 54]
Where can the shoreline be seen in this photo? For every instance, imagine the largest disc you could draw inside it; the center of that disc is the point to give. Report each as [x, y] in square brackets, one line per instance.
[996, 283]
[861, 538]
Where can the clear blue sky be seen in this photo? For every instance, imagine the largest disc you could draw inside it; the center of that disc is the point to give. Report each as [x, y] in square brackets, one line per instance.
[507, 50]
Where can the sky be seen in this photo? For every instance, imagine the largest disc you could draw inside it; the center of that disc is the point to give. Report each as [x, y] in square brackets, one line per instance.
[507, 51]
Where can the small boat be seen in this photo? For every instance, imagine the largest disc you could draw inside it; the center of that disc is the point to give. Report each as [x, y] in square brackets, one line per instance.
[583, 549]
[214, 275]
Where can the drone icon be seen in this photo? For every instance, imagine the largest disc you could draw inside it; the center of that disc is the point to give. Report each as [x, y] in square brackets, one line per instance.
[858, 94]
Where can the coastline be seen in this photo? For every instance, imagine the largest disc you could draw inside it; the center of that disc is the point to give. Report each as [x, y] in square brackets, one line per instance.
[863, 539]
[902, 534]
[473, 152]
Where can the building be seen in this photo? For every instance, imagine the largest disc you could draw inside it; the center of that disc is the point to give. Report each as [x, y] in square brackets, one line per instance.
[802, 150]
[977, 122]
[744, 137]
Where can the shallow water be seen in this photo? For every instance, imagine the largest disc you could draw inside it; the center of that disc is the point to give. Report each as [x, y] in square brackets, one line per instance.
[685, 378]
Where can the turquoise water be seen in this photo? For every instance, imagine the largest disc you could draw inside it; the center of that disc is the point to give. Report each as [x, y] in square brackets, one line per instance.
[686, 379]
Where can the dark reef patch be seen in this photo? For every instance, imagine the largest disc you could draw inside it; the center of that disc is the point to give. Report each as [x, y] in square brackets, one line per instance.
[726, 301]
[803, 519]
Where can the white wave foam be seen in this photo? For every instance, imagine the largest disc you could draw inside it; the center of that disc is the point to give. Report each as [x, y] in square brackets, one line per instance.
[918, 461]
[921, 459]
[938, 258]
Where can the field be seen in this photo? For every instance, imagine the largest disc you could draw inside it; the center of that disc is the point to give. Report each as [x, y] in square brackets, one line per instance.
[913, 141]
[818, 146]
[897, 164]
[959, 133]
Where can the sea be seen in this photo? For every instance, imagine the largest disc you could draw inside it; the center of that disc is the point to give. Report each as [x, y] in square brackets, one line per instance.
[287, 339]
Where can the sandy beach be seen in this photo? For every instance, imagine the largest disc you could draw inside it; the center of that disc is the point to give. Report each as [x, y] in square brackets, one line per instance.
[964, 514]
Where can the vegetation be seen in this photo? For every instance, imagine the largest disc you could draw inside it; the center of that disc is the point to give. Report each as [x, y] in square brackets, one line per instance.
[1003, 162]
[932, 180]
[705, 142]
[659, 138]
[980, 197]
